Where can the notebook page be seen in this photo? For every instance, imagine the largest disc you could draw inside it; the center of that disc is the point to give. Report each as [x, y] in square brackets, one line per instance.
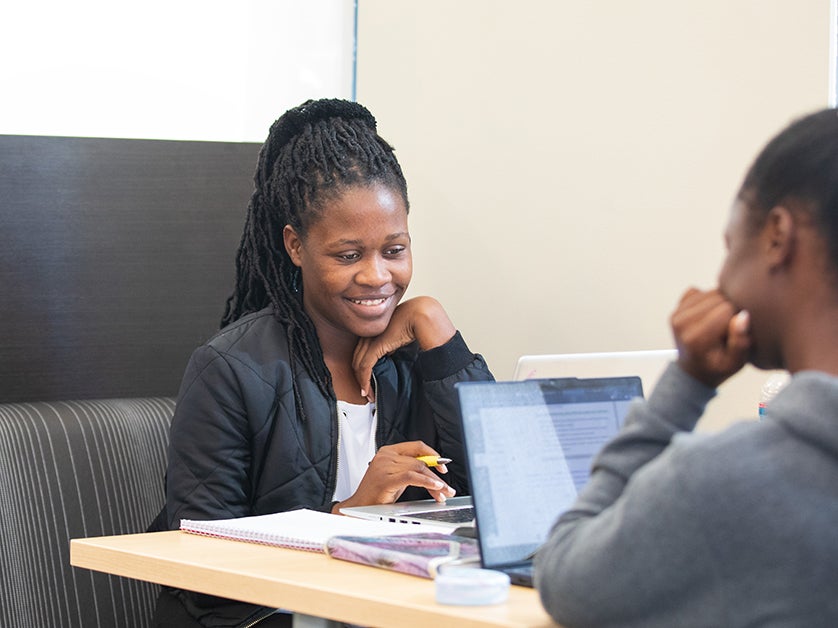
[296, 529]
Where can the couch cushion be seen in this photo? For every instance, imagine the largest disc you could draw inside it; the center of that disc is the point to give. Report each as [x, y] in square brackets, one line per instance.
[76, 469]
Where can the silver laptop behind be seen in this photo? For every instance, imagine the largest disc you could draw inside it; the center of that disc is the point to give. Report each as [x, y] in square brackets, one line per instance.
[648, 365]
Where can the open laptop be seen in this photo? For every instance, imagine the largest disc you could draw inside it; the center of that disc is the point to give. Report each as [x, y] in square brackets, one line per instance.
[455, 513]
[648, 365]
[530, 445]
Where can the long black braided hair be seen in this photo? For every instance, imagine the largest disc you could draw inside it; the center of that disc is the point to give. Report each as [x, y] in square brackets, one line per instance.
[313, 153]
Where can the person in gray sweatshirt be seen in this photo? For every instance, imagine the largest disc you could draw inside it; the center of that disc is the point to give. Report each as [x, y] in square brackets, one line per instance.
[739, 527]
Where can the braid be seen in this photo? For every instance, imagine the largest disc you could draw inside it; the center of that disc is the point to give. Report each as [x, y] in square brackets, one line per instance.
[312, 154]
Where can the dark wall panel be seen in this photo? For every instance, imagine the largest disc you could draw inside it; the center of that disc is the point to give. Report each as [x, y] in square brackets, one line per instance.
[116, 259]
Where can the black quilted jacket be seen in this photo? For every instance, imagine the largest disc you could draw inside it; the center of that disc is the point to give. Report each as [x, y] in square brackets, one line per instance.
[238, 447]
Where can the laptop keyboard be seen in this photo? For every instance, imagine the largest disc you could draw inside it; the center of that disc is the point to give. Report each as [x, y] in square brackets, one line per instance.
[454, 515]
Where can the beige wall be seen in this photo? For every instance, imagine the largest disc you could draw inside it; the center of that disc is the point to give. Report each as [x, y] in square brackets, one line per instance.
[571, 164]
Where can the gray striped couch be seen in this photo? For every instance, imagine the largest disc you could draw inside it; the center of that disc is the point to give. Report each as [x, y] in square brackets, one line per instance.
[76, 469]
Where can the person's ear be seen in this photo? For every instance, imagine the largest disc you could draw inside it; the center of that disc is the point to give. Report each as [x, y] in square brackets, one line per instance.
[780, 233]
[293, 242]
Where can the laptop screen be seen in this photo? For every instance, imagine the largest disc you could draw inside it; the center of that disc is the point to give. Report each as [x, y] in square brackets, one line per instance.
[530, 445]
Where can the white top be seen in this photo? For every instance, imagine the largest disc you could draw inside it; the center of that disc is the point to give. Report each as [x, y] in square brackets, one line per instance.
[356, 446]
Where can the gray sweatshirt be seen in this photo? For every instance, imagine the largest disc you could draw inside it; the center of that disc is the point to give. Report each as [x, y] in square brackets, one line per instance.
[674, 528]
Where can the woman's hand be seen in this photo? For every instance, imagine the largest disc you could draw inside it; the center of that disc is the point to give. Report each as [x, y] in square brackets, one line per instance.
[422, 319]
[713, 339]
[393, 469]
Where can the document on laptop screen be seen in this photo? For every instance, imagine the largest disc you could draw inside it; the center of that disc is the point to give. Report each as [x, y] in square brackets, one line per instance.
[520, 478]
[583, 428]
[530, 458]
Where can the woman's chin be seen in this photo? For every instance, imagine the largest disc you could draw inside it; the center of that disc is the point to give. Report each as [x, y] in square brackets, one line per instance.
[371, 329]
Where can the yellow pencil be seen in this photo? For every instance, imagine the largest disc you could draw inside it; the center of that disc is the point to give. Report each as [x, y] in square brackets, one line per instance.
[433, 461]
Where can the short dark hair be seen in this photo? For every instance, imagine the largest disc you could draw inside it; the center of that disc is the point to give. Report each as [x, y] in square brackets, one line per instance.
[800, 165]
[312, 154]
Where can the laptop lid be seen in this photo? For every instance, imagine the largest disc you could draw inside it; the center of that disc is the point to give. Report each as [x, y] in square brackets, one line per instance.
[530, 445]
[648, 365]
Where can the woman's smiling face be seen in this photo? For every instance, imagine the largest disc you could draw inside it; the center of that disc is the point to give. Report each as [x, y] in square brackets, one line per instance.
[355, 261]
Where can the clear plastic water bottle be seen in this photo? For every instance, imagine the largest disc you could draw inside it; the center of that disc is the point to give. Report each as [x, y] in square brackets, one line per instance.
[773, 385]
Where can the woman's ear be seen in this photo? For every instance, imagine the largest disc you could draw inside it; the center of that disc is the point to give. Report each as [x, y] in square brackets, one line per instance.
[293, 242]
[780, 232]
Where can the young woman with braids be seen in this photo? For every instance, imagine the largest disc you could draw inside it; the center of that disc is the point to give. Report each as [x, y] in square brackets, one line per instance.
[322, 388]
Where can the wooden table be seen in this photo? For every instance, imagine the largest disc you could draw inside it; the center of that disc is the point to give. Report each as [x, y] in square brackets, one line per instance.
[304, 582]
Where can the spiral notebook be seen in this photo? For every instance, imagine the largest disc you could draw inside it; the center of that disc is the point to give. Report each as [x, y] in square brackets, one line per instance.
[295, 529]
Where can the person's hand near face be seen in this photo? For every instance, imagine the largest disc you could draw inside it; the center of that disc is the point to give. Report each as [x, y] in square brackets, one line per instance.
[712, 337]
[421, 319]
